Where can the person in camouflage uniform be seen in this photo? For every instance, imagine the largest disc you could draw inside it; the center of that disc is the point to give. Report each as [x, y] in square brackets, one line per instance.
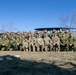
[50, 34]
[60, 34]
[11, 44]
[5, 43]
[71, 42]
[16, 43]
[53, 32]
[0, 43]
[64, 43]
[32, 42]
[47, 43]
[75, 43]
[44, 33]
[20, 43]
[39, 42]
[66, 33]
[56, 43]
[25, 44]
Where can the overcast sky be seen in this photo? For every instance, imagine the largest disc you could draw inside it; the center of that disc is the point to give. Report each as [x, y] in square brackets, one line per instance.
[29, 14]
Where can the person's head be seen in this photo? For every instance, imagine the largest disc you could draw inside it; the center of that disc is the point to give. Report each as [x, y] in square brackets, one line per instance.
[45, 31]
[71, 35]
[66, 31]
[60, 30]
[50, 31]
[54, 35]
[39, 35]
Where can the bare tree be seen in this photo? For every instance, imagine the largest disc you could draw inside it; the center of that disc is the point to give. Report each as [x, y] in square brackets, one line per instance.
[68, 22]
[64, 21]
[11, 27]
[73, 21]
[3, 28]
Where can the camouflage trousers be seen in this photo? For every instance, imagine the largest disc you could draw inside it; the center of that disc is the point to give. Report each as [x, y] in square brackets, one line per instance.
[48, 47]
[64, 47]
[25, 48]
[74, 46]
[32, 48]
[71, 47]
[56, 47]
[39, 48]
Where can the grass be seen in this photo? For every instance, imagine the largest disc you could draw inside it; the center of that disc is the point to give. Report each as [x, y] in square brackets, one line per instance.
[38, 63]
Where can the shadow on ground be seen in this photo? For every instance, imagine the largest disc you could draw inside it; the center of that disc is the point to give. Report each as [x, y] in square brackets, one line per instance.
[11, 65]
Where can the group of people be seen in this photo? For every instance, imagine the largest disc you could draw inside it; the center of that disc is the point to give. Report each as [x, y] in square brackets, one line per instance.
[38, 41]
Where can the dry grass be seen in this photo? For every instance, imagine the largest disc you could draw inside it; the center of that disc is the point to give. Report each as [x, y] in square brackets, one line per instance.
[43, 56]
[54, 62]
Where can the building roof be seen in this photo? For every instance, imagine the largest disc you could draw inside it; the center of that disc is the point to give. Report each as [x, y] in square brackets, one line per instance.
[56, 28]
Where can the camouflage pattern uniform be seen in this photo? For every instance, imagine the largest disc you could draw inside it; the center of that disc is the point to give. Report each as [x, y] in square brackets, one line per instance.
[25, 44]
[74, 43]
[71, 42]
[32, 42]
[5, 43]
[50, 35]
[39, 43]
[60, 34]
[0, 43]
[67, 42]
[56, 43]
[66, 33]
[47, 43]
[64, 43]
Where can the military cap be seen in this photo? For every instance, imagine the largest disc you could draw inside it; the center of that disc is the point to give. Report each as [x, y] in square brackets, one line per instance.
[45, 31]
